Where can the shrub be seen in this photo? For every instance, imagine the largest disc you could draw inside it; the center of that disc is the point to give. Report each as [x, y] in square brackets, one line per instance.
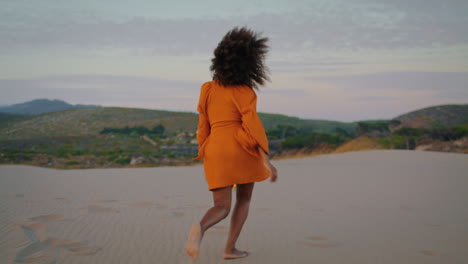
[411, 132]
[312, 140]
[281, 132]
[392, 142]
[367, 127]
[158, 129]
[449, 133]
[123, 161]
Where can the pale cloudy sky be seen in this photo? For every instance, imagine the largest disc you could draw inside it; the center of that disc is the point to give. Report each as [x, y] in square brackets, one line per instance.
[343, 60]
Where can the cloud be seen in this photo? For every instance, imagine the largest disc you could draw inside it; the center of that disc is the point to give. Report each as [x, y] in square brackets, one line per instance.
[133, 91]
[376, 98]
[313, 26]
[452, 84]
[289, 66]
[284, 92]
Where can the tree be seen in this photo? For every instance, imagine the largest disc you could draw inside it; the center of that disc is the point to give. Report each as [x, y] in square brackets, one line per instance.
[282, 132]
[368, 127]
[158, 129]
[342, 132]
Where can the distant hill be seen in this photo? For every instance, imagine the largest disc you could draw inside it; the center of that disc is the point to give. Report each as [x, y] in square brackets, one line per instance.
[40, 106]
[323, 126]
[441, 115]
[6, 118]
[90, 121]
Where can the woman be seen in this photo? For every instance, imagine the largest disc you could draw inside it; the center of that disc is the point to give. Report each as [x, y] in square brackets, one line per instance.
[231, 137]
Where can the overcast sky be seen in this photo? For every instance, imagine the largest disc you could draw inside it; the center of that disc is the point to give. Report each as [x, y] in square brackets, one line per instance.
[343, 60]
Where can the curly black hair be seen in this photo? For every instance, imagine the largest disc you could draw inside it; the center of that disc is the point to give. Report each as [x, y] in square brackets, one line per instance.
[239, 59]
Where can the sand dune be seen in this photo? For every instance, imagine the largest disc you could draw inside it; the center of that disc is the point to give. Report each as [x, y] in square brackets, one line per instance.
[383, 206]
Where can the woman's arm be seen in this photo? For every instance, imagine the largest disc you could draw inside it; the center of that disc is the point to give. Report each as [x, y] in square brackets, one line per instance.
[273, 171]
[203, 128]
[252, 133]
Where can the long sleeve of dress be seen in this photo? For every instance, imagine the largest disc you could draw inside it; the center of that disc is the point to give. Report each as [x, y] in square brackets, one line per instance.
[204, 128]
[252, 133]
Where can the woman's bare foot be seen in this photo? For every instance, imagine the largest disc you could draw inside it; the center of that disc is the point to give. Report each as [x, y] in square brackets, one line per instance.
[235, 253]
[193, 242]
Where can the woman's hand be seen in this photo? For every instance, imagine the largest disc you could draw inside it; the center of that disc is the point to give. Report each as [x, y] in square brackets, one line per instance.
[274, 173]
[266, 162]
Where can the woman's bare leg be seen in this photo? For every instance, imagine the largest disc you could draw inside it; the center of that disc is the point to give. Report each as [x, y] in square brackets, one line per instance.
[239, 215]
[221, 208]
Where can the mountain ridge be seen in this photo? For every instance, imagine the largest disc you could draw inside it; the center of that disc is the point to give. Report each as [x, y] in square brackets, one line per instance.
[91, 120]
[41, 106]
[439, 115]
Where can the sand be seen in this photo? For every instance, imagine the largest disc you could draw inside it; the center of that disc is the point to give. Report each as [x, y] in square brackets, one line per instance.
[384, 206]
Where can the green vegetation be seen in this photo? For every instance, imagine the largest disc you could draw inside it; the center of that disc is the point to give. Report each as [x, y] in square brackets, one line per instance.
[293, 137]
[407, 138]
[272, 121]
[7, 118]
[113, 136]
[393, 142]
[123, 161]
[156, 131]
[449, 133]
[103, 149]
[91, 121]
[372, 126]
[281, 132]
[312, 140]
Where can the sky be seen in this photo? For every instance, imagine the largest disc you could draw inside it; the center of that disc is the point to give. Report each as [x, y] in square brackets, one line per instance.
[344, 60]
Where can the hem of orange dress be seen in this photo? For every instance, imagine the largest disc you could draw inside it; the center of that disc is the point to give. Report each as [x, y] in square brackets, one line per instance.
[217, 187]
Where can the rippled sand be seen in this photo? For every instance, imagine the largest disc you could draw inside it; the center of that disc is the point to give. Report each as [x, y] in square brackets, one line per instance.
[360, 207]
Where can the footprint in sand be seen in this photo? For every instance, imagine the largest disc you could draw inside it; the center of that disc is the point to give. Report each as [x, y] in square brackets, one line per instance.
[47, 218]
[105, 201]
[35, 232]
[318, 242]
[93, 209]
[81, 248]
[44, 251]
[43, 248]
[145, 205]
[41, 259]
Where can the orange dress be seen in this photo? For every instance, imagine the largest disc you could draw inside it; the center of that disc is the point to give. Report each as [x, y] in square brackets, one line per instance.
[229, 132]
